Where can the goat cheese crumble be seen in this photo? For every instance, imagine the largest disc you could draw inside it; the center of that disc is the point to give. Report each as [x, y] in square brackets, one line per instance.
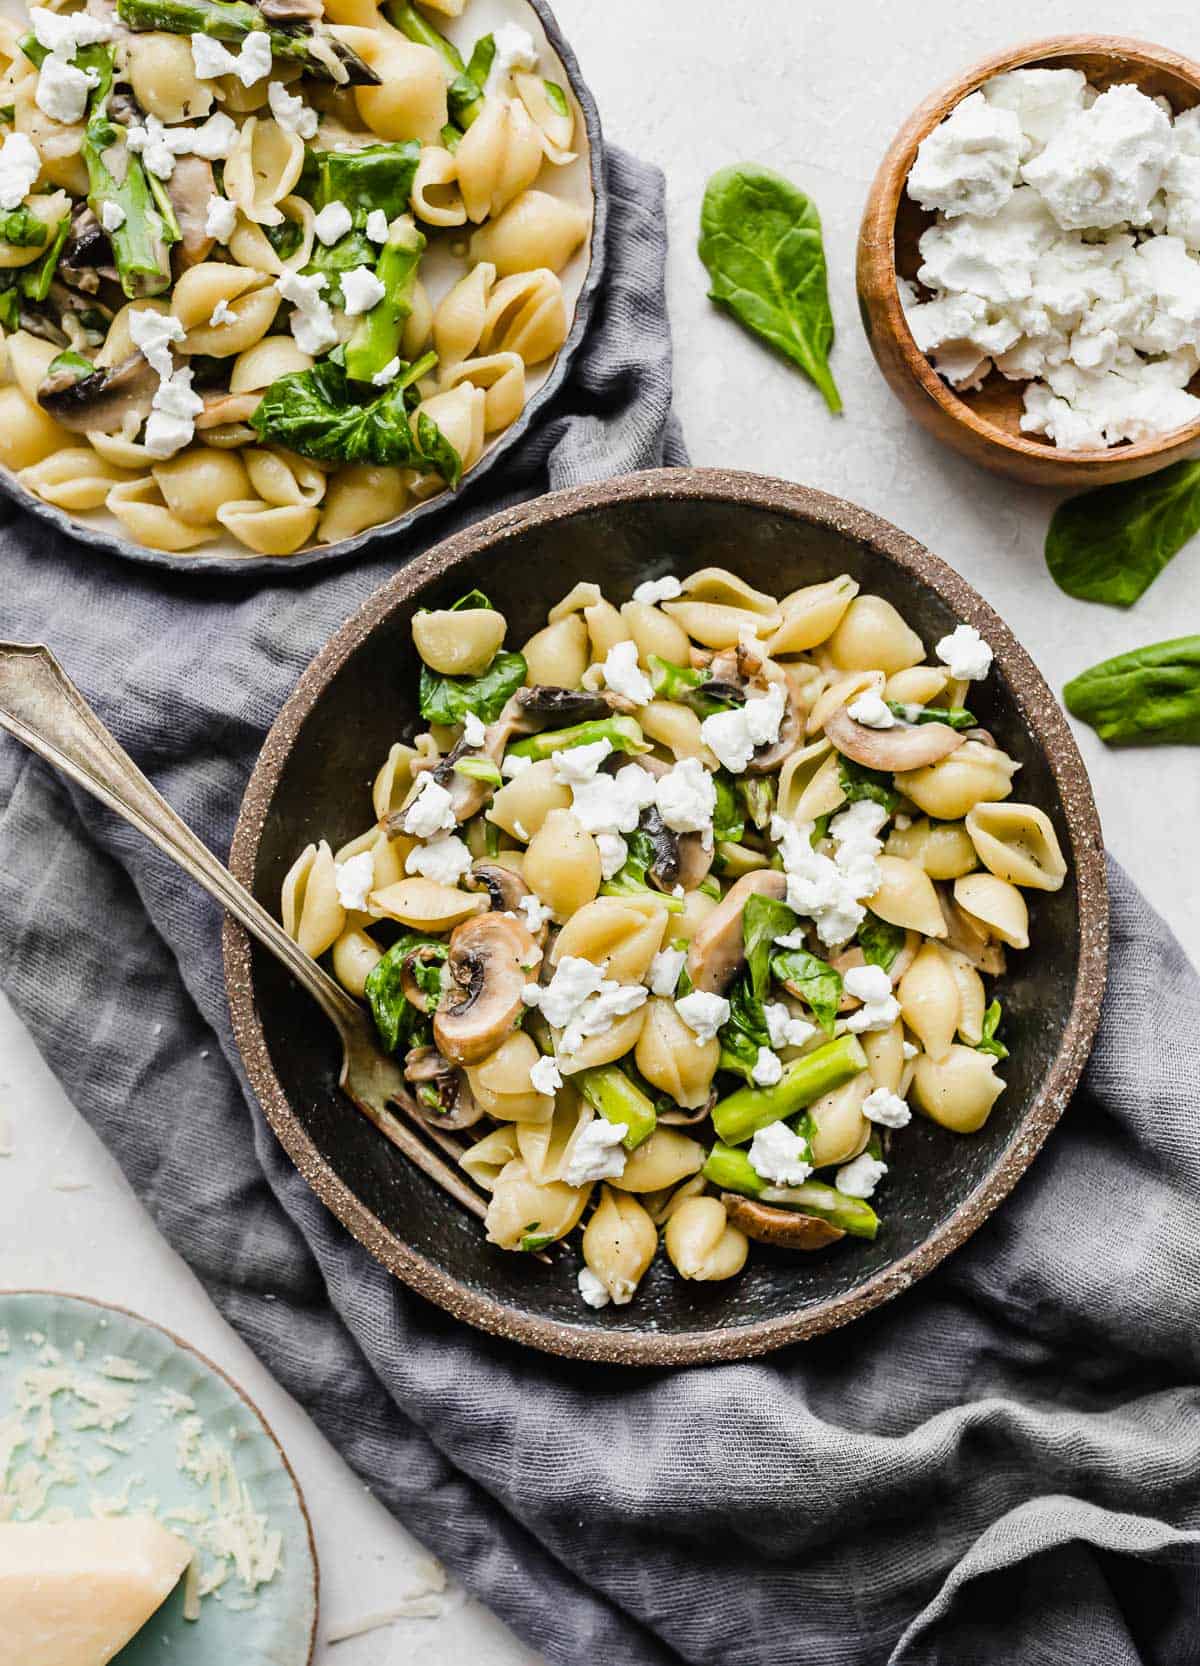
[860, 1178]
[663, 976]
[222, 313]
[361, 290]
[735, 736]
[312, 322]
[872, 711]
[614, 853]
[431, 810]
[783, 1030]
[445, 858]
[594, 1293]
[622, 675]
[515, 50]
[220, 218]
[968, 164]
[576, 764]
[596, 1153]
[880, 1008]
[62, 89]
[112, 216]
[292, 114]
[534, 913]
[703, 1013]
[686, 797]
[579, 1001]
[654, 590]
[779, 1156]
[965, 654]
[377, 226]
[545, 1075]
[613, 803]
[355, 879]
[767, 1069]
[20, 165]
[385, 377]
[474, 731]
[212, 59]
[333, 222]
[829, 890]
[887, 1109]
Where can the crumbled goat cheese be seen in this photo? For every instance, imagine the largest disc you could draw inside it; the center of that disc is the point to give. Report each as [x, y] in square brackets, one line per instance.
[214, 139]
[312, 322]
[292, 114]
[830, 890]
[783, 1030]
[222, 313]
[333, 222]
[473, 730]
[779, 1156]
[686, 797]
[965, 654]
[767, 1070]
[545, 1076]
[158, 146]
[112, 216]
[385, 377]
[211, 59]
[663, 976]
[703, 1013]
[430, 811]
[20, 165]
[1040, 99]
[171, 423]
[613, 803]
[153, 332]
[515, 50]
[860, 1178]
[968, 164]
[579, 1001]
[887, 1109]
[736, 735]
[62, 89]
[361, 290]
[614, 853]
[520, 831]
[872, 711]
[377, 226]
[576, 764]
[908, 1050]
[653, 590]
[513, 765]
[444, 859]
[594, 1293]
[1103, 165]
[880, 1008]
[220, 218]
[355, 878]
[63, 33]
[622, 675]
[596, 1153]
[534, 912]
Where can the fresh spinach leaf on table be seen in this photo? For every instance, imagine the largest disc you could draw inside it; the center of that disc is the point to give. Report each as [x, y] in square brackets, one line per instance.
[1111, 544]
[760, 238]
[1150, 695]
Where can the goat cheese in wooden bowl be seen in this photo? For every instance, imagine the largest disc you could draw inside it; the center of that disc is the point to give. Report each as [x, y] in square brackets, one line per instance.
[1029, 261]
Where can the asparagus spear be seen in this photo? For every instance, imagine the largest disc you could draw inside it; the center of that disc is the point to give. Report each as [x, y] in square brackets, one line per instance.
[405, 17]
[376, 339]
[609, 1091]
[465, 95]
[312, 44]
[740, 1116]
[731, 1170]
[623, 734]
[116, 175]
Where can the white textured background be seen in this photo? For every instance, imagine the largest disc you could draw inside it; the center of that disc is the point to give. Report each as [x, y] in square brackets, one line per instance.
[815, 89]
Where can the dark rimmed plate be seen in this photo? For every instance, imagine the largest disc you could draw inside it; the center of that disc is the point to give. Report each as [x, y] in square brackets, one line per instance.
[581, 278]
[313, 779]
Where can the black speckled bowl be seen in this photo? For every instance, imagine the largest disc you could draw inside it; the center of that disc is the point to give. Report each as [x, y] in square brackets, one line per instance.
[313, 779]
[236, 563]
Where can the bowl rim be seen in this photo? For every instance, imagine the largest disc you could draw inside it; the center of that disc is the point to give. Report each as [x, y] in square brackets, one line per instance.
[230, 1382]
[877, 234]
[1039, 711]
[251, 566]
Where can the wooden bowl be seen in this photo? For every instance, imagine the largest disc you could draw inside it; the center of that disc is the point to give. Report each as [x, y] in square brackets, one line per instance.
[985, 424]
[313, 779]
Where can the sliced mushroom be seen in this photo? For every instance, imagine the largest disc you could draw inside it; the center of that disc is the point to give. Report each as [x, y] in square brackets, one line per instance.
[102, 401]
[717, 951]
[189, 188]
[694, 860]
[985, 737]
[964, 934]
[491, 956]
[504, 887]
[87, 253]
[456, 1105]
[409, 984]
[663, 872]
[784, 1228]
[904, 746]
[557, 707]
[791, 729]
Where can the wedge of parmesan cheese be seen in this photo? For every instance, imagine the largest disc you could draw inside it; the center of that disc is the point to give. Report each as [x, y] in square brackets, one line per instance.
[73, 1593]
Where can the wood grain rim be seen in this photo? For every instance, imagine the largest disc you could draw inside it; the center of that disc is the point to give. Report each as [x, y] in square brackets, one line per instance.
[251, 1405]
[1039, 711]
[907, 370]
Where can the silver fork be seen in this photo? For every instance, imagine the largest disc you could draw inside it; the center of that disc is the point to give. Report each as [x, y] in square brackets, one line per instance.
[41, 706]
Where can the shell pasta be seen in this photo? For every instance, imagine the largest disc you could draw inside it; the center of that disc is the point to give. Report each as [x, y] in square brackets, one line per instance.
[261, 232]
[677, 912]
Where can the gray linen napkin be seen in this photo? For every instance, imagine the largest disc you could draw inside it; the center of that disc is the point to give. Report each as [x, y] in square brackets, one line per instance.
[1002, 1466]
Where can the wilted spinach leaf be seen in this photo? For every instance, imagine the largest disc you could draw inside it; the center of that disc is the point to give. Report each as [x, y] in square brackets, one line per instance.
[1150, 695]
[1111, 544]
[991, 1042]
[449, 699]
[728, 821]
[879, 941]
[763, 920]
[859, 782]
[813, 980]
[400, 1024]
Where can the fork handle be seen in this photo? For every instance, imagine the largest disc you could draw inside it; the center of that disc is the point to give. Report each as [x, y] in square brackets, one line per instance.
[41, 706]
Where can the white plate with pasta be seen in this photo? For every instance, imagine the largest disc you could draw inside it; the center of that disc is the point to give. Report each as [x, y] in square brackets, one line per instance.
[275, 281]
[739, 921]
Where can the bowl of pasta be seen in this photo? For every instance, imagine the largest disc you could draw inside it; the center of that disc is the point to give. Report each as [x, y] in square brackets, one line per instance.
[276, 278]
[726, 878]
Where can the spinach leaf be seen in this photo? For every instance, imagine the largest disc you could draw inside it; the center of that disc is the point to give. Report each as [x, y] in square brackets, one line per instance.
[685, 684]
[744, 1031]
[34, 281]
[354, 249]
[763, 920]
[814, 982]
[757, 793]
[728, 822]
[879, 941]
[631, 878]
[760, 238]
[1111, 544]
[449, 699]
[400, 1024]
[1150, 695]
[22, 228]
[312, 412]
[376, 176]
[859, 782]
[991, 1042]
[10, 307]
[285, 239]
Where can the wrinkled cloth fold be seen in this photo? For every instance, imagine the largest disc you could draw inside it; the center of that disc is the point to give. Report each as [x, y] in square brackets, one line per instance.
[1000, 1467]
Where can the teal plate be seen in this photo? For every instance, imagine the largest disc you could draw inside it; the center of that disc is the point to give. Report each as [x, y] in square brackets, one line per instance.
[145, 1424]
